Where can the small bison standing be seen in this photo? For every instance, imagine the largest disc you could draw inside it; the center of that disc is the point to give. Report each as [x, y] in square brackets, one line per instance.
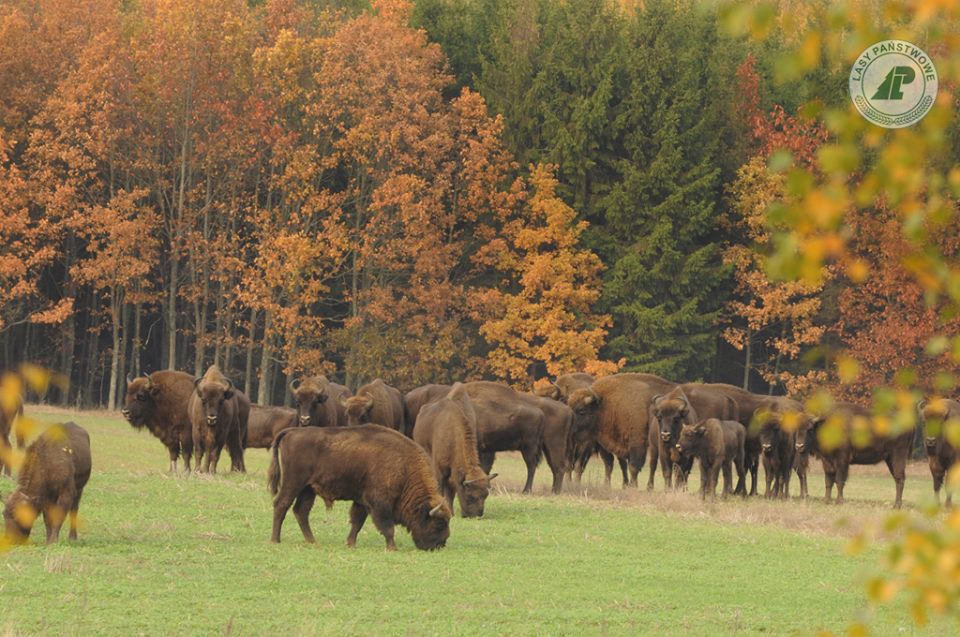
[159, 402]
[941, 454]
[219, 415]
[447, 430]
[384, 473]
[51, 481]
[718, 444]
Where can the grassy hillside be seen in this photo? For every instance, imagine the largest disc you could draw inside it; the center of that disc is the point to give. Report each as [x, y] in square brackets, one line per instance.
[162, 555]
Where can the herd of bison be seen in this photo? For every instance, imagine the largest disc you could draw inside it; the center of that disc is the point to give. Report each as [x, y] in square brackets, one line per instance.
[403, 459]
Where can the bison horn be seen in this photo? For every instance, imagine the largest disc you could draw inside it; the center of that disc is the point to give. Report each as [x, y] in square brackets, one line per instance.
[196, 381]
[657, 399]
[492, 476]
[435, 512]
[294, 384]
[129, 380]
[921, 405]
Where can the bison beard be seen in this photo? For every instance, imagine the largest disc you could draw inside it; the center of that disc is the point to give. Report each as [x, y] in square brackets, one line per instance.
[383, 473]
[51, 482]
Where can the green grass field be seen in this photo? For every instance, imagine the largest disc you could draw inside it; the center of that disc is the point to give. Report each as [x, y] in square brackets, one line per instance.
[163, 555]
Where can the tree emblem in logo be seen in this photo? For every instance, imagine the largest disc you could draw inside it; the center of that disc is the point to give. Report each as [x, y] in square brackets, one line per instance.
[893, 83]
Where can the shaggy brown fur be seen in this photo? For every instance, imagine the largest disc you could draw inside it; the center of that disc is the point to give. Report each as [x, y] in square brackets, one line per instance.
[446, 429]
[266, 422]
[836, 462]
[561, 388]
[415, 399]
[941, 455]
[582, 443]
[51, 481]
[557, 435]
[159, 403]
[717, 444]
[376, 403]
[779, 451]
[615, 411]
[319, 402]
[385, 474]
[219, 415]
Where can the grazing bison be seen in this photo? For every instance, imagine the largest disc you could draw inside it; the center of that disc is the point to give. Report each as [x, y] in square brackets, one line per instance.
[266, 422]
[319, 402]
[159, 403]
[8, 416]
[684, 404]
[851, 418]
[219, 414]
[385, 474]
[615, 409]
[718, 444]
[414, 399]
[446, 429]
[51, 481]
[941, 454]
[376, 403]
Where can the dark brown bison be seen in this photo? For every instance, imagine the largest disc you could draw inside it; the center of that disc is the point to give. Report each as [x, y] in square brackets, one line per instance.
[561, 388]
[446, 429]
[319, 402]
[219, 414]
[376, 403]
[159, 403]
[849, 418]
[778, 445]
[51, 481]
[941, 454]
[384, 473]
[685, 404]
[8, 416]
[266, 422]
[557, 435]
[615, 410]
[414, 399]
[717, 444]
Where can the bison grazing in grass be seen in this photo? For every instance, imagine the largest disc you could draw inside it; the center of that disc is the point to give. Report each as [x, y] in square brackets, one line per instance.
[266, 422]
[159, 403]
[219, 414]
[376, 403]
[718, 444]
[446, 429]
[848, 420]
[319, 402]
[51, 481]
[383, 473]
[941, 453]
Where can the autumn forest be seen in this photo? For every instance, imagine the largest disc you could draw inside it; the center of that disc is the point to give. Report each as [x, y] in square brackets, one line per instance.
[423, 191]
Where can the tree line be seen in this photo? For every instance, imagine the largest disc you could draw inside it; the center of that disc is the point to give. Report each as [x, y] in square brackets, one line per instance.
[431, 190]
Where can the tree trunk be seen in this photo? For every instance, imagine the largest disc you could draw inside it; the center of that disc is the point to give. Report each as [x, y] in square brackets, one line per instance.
[266, 369]
[172, 311]
[251, 333]
[115, 318]
[748, 362]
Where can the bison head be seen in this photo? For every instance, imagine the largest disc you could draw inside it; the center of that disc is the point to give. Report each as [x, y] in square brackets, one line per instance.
[671, 412]
[691, 440]
[431, 528]
[548, 390]
[472, 493]
[806, 440]
[770, 434]
[358, 409]
[212, 394]
[310, 396]
[140, 400]
[19, 515]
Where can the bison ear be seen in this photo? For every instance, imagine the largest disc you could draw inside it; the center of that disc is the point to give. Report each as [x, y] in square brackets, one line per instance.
[700, 430]
[228, 394]
[592, 398]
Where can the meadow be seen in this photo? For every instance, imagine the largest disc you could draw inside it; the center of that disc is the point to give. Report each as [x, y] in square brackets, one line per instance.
[166, 555]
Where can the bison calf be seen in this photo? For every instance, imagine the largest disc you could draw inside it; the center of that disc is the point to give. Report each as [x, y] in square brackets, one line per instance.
[54, 472]
[718, 444]
[384, 473]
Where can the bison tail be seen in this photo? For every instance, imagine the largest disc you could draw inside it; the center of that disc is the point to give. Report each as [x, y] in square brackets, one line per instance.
[275, 472]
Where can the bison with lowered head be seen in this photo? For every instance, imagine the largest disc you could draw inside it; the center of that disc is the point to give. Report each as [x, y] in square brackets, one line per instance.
[447, 430]
[850, 417]
[266, 422]
[376, 403]
[158, 403]
[941, 454]
[219, 414]
[319, 402]
[385, 474]
[51, 481]
[718, 444]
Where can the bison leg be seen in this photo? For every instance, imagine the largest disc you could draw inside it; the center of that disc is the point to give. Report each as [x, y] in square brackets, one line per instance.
[937, 483]
[235, 448]
[74, 511]
[358, 515]
[530, 454]
[556, 467]
[842, 472]
[301, 509]
[281, 504]
[897, 467]
[741, 488]
[54, 515]
[767, 478]
[384, 523]
[666, 467]
[654, 461]
[727, 478]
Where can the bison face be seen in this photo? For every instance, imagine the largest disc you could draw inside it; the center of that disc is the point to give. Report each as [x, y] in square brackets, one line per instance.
[585, 403]
[140, 401]
[433, 526]
[770, 439]
[691, 438]
[310, 405]
[212, 396]
[358, 409]
[18, 516]
[806, 435]
[473, 494]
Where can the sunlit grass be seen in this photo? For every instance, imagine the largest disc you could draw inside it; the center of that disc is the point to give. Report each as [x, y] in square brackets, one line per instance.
[162, 555]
